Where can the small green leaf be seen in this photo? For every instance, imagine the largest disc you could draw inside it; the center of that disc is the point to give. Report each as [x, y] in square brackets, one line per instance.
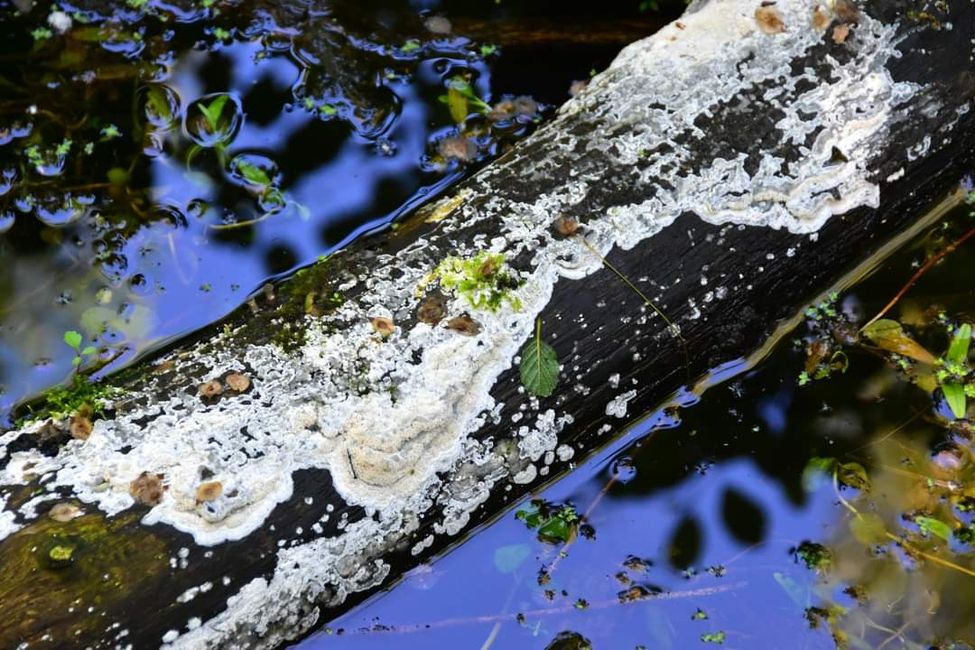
[958, 350]
[955, 396]
[888, 335]
[73, 339]
[816, 472]
[157, 104]
[457, 103]
[853, 475]
[89, 350]
[410, 46]
[717, 638]
[252, 173]
[76, 362]
[932, 526]
[539, 366]
[213, 111]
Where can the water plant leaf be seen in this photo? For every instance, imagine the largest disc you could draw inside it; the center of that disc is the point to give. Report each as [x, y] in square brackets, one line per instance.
[932, 526]
[73, 339]
[955, 396]
[539, 367]
[252, 173]
[853, 475]
[817, 471]
[457, 104]
[888, 335]
[213, 110]
[958, 350]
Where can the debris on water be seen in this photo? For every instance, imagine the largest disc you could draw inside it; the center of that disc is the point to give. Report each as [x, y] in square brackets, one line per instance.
[569, 641]
[458, 148]
[438, 25]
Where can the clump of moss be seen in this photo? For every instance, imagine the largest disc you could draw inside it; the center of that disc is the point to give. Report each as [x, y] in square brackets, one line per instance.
[482, 280]
[81, 395]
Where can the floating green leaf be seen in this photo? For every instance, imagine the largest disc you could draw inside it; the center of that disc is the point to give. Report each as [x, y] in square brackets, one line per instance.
[816, 472]
[853, 475]
[888, 335]
[932, 526]
[713, 637]
[539, 365]
[252, 173]
[457, 103]
[958, 350]
[955, 396]
[213, 110]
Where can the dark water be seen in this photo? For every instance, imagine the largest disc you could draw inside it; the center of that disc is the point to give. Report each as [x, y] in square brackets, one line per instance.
[711, 497]
[121, 220]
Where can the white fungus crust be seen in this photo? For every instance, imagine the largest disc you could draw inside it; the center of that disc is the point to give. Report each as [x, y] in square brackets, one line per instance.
[388, 428]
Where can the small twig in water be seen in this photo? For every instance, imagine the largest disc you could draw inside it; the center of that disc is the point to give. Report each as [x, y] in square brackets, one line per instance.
[549, 611]
[917, 274]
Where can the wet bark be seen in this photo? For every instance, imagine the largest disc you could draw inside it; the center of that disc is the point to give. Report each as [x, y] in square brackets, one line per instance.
[730, 204]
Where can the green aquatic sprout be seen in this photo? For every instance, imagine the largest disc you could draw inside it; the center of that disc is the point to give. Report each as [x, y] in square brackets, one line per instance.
[713, 637]
[212, 111]
[932, 526]
[110, 132]
[410, 46]
[460, 97]
[954, 370]
[74, 339]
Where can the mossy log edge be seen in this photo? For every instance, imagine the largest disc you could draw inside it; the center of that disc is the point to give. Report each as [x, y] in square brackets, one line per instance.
[731, 167]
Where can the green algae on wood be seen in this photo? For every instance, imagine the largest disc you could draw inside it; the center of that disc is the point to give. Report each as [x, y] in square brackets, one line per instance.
[93, 564]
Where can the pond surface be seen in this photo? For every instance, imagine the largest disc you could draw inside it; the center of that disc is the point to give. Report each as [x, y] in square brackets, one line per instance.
[161, 161]
[702, 524]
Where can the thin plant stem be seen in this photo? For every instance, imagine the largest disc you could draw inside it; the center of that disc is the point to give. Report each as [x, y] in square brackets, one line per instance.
[548, 611]
[670, 325]
[934, 259]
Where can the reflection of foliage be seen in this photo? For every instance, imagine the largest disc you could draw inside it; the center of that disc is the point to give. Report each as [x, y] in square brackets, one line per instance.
[898, 570]
[93, 113]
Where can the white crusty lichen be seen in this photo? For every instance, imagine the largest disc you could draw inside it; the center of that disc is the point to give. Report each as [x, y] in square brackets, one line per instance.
[390, 415]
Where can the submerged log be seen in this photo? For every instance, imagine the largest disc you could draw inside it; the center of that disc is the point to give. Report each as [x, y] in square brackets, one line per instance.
[252, 482]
